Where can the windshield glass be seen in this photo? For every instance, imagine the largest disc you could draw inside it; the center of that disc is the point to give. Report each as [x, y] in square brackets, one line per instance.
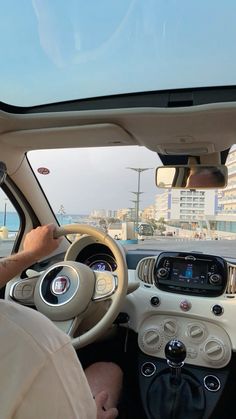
[114, 188]
[57, 51]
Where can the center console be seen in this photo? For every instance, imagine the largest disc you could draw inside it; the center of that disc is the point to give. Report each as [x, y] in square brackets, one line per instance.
[192, 274]
[193, 393]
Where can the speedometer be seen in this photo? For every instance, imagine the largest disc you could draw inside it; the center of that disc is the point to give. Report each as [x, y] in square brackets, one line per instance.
[101, 265]
[101, 262]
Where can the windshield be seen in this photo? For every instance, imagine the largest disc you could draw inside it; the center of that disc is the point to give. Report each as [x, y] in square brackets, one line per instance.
[114, 188]
[58, 51]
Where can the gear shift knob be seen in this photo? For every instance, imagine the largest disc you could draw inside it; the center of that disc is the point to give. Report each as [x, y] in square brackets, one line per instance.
[175, 352]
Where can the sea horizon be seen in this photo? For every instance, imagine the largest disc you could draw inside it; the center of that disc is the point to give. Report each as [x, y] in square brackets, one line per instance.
[11, 220]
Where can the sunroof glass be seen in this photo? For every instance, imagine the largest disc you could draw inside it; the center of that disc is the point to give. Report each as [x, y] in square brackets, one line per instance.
[57, 51]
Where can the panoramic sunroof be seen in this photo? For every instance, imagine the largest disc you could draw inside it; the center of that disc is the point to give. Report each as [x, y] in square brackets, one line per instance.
[61, 50]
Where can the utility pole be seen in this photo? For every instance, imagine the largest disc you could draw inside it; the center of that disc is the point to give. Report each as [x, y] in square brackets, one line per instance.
[139, 170]
[5, 213]
[61, 212]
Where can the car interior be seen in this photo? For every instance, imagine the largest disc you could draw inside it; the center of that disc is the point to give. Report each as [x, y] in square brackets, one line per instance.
[173, 334]
[135, 308]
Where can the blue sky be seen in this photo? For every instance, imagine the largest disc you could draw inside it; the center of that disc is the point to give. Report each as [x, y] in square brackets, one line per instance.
[60, 50]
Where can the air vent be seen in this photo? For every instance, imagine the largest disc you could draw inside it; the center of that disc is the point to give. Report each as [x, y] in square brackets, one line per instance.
[231, 284]
[145, 270]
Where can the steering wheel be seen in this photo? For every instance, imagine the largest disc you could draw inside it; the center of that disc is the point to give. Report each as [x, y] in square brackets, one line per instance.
[66, 289]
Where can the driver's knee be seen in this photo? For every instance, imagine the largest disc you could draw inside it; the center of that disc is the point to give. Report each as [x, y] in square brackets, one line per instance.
[106, 376]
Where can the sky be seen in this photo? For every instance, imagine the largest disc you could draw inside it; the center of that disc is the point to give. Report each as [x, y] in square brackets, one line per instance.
[60, 50]
[83, 180]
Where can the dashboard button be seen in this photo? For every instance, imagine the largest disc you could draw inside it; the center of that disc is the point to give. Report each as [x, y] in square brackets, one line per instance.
[217, 310]
[185, 305]
[212, 383]
[155, 301]
[162, 273]
[215, 279]
[148, 369]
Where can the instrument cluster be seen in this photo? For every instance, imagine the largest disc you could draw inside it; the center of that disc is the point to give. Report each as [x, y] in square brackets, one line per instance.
[98, 257]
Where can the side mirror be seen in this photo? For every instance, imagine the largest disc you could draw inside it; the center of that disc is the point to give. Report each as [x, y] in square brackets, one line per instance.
[192, 177]
[3, 172]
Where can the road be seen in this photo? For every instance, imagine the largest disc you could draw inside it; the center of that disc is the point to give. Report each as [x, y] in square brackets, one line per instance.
[6, 247]
[225, 248]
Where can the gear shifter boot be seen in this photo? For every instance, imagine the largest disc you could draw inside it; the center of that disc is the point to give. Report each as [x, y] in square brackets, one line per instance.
[166, 400]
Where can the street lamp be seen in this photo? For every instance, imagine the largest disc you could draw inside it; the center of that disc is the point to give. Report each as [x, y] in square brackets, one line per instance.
[5, 213]
[139, 170]
[131, 212]
[61, 212]
[134, 210]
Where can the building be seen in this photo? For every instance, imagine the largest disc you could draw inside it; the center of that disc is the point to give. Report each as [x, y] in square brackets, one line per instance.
[123, 213]
[149, 212]
[100, 213]
[111, 213]
[186, 205]
[225, 220]
[227, 196]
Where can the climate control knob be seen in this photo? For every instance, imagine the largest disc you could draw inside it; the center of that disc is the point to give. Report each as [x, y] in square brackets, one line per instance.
[162, 273]
[151, 340]
[214, 351]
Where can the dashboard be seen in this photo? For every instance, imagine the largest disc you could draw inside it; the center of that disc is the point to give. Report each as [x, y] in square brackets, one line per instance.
[187, 296]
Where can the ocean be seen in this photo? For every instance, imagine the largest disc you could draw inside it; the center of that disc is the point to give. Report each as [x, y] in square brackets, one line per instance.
[12, 220]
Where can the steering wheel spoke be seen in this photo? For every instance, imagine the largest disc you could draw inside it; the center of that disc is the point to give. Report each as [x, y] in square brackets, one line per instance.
[22, 291]
[105, 285]
[69, 326]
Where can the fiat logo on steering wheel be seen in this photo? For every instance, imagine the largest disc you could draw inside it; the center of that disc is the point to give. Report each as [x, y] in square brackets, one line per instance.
[60, 285]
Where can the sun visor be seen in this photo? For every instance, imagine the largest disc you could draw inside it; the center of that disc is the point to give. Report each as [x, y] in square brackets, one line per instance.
[92, 135]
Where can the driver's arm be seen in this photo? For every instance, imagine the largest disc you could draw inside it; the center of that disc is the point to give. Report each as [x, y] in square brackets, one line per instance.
[38, 243]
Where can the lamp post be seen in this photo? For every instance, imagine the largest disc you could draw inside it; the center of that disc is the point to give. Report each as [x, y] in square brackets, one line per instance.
[134, 210]
[139, 170]
[5, 213]
[61, 212]
[131, 212]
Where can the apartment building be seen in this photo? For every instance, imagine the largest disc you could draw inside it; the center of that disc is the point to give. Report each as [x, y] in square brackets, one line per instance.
[186, 205]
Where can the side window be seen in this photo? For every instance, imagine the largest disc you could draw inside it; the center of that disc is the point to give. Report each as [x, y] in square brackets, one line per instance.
[9, 225]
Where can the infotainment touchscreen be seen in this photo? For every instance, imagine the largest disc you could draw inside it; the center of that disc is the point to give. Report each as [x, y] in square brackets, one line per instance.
[186, 271]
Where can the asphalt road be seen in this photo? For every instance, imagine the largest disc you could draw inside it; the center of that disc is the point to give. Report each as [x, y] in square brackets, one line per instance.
[225, 248]
[6, 247]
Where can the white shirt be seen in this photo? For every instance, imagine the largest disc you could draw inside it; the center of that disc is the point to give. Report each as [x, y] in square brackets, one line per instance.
[40, 374]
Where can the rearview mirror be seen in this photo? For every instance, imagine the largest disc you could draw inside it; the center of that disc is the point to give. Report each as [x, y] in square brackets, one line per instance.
[192, 177]
[3, 172]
